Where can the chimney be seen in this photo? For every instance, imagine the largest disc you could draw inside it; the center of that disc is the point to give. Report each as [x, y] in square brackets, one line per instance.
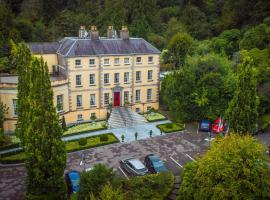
[94, 33]
[124, 34]
[82, 32]
[111, 33]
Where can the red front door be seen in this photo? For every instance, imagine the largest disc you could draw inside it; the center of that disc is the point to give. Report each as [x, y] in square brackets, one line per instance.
[116, 99]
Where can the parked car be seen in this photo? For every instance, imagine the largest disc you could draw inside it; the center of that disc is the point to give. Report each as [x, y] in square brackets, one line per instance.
[205, 125]
[154, 164]
[133, 166]
[73, 181]
[218, 126]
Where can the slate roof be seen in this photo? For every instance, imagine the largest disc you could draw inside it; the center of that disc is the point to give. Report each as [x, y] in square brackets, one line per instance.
[76, 47]
[44, 47]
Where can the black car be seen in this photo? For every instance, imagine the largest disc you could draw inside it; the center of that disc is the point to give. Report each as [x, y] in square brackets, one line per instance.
[154, 164]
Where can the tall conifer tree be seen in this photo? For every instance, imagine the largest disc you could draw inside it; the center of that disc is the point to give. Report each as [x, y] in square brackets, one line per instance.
[42, 132]
[242, 112]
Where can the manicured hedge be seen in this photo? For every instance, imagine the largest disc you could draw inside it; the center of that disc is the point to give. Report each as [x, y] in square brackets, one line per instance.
[93, 141]
[170, 127]
[71, 146]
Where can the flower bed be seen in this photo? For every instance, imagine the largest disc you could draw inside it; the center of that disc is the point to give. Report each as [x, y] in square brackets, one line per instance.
[170, 127]
[85, 128]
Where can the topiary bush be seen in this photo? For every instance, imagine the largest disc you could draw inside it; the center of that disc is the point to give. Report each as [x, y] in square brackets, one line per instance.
[82, 141]
[169, 125]
[104, 138]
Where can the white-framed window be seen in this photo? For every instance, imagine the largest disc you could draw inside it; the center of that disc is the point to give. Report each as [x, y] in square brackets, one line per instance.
[92, 99]
[137, 110]
[106, 61]
[116, 77]
[138, 75]
[92, 79]
[106, 78]
[126, 95]
[15, 107]
[150, 75]
[78, 62]
[79, 117]
[126, 77]
[150, 59]
[138, 60]
[78, 80]
[91, 61]
[126, 61]
[60, 102]
[138, 95]
[116, 61]
[106, 98]
[79, 101]
[149, 94]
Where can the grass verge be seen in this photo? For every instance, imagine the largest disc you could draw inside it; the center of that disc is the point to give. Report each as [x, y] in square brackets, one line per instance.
[85, 128]
[170, 127]
[154, 116]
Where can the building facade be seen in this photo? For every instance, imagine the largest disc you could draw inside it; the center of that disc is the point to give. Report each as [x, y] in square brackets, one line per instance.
[89, 73]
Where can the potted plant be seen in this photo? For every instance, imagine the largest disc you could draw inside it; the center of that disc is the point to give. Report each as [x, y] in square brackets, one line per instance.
[93, 118]
[150, 133]
[123, 138]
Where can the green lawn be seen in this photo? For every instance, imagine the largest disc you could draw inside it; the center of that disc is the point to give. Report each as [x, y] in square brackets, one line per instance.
[92, 141]
[71, 146]
[170, 127]
[86, 127]
[154, 116]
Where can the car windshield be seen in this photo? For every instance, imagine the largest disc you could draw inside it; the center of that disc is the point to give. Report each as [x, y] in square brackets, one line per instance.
[158, 164]
[137, 164]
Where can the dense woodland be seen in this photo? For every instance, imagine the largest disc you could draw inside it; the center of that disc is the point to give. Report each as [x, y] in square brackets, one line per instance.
[205, 39]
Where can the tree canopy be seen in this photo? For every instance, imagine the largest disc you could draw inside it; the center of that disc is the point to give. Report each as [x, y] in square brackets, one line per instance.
[235, 167]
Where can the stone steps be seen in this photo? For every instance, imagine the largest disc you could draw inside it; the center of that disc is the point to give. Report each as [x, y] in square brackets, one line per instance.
[121, 117]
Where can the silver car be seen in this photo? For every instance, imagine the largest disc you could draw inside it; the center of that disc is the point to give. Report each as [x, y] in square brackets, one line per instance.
[133, 166]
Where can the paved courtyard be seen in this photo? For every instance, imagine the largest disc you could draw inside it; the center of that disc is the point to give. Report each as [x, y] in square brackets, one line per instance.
[176, 149]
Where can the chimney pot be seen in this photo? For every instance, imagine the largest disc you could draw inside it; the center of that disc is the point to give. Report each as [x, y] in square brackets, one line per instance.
[82, 32]
[124, 33]
[111, 33]
[94, 35]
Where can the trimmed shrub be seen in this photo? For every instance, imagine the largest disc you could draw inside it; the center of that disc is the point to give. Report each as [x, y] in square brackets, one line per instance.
[82, 141]
[169, 125]
[104, 138]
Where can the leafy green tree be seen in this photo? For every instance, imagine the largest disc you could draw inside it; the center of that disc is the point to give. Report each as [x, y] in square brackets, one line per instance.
[93, 181]
[40, 130]
[235, 167]
[110, 193]
[242, 112]
[179, 47]
[3, 112]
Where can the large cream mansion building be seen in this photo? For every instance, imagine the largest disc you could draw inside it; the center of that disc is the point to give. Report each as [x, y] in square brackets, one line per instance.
[90, 72]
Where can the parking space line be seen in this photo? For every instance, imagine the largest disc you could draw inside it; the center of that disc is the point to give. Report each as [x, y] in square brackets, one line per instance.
[176, 162]
[123, 173]
[190, 157]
